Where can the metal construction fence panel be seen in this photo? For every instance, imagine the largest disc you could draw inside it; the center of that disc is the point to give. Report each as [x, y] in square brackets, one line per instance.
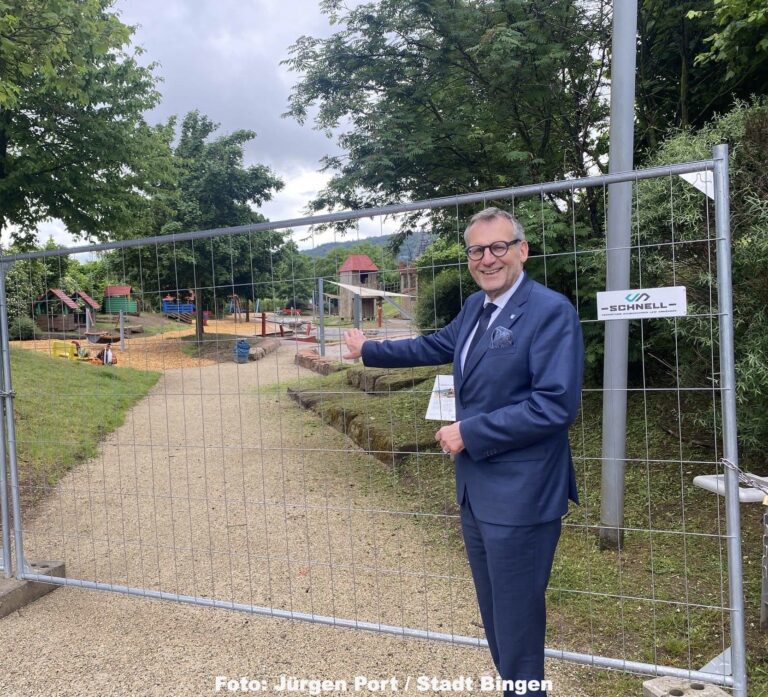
[267, 488]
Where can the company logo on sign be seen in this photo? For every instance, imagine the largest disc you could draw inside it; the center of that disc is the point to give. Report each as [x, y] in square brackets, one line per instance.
[642, 303]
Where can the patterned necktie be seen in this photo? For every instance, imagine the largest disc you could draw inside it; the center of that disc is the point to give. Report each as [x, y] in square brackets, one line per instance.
[482, 326]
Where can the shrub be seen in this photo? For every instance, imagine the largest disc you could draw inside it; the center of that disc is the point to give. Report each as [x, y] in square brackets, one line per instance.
[444, 284]
[22, 328]
[745, 129]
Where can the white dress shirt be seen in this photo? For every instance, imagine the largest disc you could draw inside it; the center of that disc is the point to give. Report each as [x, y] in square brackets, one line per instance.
[500, 302]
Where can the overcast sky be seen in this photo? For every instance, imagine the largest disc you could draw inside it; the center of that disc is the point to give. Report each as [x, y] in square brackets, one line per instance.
[223, 58]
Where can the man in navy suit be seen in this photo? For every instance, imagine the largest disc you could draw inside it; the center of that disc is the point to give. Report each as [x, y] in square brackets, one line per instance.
[518, 355]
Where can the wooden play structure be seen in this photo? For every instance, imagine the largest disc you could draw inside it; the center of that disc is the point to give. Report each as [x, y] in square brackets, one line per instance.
[117, 298]
[85, 303]
[182, 310]
[357, 270]
[55, 311]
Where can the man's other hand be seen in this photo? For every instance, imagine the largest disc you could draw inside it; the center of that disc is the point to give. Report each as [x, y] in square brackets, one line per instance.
[354, 339]
[449, 438]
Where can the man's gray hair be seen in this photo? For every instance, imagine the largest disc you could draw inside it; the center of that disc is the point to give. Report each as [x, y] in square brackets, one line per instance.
[492, 213]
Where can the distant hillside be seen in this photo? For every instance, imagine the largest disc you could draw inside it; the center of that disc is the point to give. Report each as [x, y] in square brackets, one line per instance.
[411, 248]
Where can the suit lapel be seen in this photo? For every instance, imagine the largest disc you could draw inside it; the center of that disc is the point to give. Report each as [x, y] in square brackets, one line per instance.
[473, 314]
[509, 314]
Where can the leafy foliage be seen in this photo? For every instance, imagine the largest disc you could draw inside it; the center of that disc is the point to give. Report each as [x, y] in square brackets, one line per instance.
[292, 280]
[674, 87]
[745, 128]
[27, 280]
[328, 265]
[739, 41]
[21, 328]
[444, 284]
[73, 141]
[438, 97]
[213, 190]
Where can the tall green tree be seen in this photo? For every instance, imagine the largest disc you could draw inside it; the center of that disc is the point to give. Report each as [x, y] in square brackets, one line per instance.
[294, 280]
[214, 189]
[695, 58]
[73, 141]
[438, 97]
[441, 97]
[738, 42]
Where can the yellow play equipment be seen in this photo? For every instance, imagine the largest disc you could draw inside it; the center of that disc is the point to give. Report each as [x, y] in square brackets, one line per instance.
[66, 349]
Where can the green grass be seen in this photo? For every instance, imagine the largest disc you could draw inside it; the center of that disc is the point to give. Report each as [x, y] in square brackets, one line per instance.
[63, 410]
[388, 312]
[656, 600]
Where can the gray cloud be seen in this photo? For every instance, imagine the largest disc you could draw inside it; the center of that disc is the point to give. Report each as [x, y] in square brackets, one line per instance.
[223, 58]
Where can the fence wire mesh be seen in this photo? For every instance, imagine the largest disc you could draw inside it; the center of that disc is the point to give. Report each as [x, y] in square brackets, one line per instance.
[267, 486]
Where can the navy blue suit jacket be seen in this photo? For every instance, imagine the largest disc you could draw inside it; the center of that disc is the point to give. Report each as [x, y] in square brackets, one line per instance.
[515, 403]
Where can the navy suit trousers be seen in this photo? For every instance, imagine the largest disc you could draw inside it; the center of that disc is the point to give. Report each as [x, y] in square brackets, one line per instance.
[510, 567]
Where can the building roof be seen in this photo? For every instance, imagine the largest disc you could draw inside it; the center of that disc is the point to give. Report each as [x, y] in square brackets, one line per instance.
[88, 299]
[117, 290]
[61, 295]
[364, 292]
[358, 262]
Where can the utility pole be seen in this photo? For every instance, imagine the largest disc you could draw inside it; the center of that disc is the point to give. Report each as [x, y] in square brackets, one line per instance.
[620, 154]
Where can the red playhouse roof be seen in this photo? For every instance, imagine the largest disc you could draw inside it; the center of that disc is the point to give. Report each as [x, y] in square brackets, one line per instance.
[61, 295]
[117, 290]
[358, 262]
[88, 299]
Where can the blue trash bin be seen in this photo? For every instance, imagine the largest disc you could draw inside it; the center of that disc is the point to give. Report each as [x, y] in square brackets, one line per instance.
[242, 347]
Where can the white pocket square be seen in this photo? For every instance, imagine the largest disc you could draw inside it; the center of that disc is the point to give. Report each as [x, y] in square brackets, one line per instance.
[501, 338]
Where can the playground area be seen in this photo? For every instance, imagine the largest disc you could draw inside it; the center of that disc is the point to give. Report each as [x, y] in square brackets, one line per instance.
[164, 351]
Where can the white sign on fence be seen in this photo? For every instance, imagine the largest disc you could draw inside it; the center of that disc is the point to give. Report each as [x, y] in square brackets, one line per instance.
[642, 303]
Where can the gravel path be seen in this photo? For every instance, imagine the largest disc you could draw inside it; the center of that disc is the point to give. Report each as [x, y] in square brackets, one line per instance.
[218, 486]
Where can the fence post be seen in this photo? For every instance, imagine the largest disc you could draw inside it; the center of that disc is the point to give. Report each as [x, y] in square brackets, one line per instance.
[321, 315]
[728, 394]
[357, 311]
[6, 390]
[7, 567]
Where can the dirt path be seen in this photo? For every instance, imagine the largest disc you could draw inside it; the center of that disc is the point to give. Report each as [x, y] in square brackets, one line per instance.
[218, 486]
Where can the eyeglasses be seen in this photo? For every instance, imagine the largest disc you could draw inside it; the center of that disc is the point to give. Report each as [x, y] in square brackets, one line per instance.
[498, 249]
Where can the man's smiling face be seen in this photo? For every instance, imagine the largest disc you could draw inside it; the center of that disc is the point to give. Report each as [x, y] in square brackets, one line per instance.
[495, 275]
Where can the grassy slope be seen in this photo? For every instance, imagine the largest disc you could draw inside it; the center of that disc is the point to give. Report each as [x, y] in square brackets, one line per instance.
[63, 409]
[655, 600]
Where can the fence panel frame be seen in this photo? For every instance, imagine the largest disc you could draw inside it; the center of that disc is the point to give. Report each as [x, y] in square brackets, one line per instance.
[718, 165]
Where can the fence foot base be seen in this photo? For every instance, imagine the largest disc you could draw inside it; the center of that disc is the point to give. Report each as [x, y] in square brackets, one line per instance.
[678, 687]
[15, 594]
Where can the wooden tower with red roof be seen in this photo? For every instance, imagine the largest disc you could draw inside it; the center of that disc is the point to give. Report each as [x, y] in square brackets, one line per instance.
[357, 270]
